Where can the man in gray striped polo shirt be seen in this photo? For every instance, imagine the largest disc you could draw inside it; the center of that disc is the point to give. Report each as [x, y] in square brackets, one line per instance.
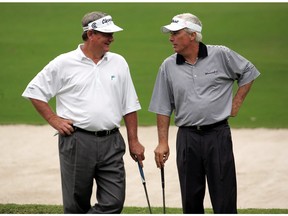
[196, 82]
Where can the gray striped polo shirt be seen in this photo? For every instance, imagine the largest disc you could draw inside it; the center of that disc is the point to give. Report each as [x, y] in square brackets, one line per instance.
[200, 94]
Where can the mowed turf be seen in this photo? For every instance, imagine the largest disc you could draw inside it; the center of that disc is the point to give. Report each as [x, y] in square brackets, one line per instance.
[32, 34]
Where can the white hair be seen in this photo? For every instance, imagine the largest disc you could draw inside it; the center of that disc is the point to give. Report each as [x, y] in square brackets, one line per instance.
[194, 19]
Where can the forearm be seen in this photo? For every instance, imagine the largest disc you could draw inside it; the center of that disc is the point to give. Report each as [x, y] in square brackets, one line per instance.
[239, 98]
[162, 150]
[163, 123]
[43, 109]
[131, 123]
[135, 147]
[63, 126]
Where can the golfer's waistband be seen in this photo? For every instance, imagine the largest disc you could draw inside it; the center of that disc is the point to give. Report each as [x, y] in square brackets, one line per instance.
[97, 133]
[206, 127]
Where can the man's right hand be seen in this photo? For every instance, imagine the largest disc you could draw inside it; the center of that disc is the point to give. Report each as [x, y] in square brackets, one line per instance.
[63, 126]
[161, 154]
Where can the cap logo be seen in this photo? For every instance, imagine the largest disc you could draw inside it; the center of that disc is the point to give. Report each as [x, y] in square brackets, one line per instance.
[106, 20]
[178, 23]
[104, 24]
[94, 25]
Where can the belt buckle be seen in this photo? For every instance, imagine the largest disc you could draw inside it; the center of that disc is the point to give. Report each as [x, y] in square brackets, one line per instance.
[103, 133]
[198, 127]
[100, 133]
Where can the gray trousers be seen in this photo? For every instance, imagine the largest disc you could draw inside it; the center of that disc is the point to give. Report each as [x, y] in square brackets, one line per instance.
[85, 157]
[207, 154]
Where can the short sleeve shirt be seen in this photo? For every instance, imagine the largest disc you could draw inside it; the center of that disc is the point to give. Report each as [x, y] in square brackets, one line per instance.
[94, 96]
[200, 94]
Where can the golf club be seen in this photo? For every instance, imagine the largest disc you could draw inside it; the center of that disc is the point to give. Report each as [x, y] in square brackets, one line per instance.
[163, 189]
[144, 184]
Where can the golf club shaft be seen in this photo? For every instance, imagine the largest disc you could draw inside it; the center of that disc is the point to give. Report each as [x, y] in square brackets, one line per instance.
[144, 184]
[145, 189]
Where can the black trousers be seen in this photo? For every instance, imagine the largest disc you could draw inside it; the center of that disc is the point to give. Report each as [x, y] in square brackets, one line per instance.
[85, 158]
[207, 154]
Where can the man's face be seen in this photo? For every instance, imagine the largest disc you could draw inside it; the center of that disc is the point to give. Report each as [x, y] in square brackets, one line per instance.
[180, 40]
[103, 40]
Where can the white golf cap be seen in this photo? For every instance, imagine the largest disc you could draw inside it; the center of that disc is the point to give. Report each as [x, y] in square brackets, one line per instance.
[178, 24]
[104, 24]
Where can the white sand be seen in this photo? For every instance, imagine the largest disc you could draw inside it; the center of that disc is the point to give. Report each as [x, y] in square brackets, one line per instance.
[29, 168]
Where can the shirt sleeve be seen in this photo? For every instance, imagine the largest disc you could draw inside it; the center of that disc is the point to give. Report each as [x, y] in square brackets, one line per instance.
[130, 101]
[243, 70]
[44, 85]
[162, 100]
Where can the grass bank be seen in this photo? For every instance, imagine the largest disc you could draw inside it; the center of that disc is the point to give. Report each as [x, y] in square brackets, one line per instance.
[57, 209]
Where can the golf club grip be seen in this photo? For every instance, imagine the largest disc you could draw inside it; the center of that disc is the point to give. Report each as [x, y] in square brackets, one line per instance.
[162, 177]
[141, 172]
[163, 189]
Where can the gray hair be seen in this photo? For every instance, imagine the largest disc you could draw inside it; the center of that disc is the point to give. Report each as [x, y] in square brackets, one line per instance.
[90, 17]
[194, 19]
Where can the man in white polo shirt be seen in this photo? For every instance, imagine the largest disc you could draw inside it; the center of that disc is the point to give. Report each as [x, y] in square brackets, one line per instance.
[197, 82]
[93, 90]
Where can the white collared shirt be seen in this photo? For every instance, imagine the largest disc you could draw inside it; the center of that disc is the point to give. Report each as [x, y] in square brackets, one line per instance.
[94, 96]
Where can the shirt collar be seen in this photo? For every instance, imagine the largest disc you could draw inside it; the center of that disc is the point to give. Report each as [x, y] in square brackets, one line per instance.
[83, 56]
[203, 52]
[80, 52]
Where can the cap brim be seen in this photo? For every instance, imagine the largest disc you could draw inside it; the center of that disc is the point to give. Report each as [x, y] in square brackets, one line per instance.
[171, 27]
[109, 29]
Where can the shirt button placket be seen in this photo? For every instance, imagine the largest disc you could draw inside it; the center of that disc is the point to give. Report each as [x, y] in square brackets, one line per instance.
[193, 71]
[96, 72]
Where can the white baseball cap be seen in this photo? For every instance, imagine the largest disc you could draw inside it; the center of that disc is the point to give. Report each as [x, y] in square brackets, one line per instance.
[104, 24]
[178, 24]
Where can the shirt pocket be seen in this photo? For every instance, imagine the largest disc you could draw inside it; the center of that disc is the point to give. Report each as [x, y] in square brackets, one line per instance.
[205, 82]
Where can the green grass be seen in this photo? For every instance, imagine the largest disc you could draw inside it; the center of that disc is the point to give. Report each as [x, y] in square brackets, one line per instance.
[57, 209]
[34, 33]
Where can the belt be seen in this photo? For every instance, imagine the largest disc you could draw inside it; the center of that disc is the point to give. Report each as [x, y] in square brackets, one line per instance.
[206, 127]
[98, 133]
